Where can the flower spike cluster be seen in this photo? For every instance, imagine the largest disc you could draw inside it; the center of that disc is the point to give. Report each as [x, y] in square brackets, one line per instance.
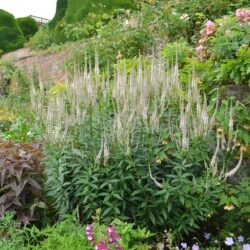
[101, 246]
[89, 232]
[113, 237]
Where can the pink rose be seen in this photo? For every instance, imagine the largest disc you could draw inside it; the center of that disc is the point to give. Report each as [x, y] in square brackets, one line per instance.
[200, 48]
[210, 27]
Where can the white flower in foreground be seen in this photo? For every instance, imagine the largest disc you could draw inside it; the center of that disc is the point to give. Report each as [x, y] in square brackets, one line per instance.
[246, 247]
[229, 241]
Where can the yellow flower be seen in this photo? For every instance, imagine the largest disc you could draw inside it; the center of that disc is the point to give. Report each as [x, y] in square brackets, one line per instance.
[158, 160]
[219, 130]
[119, 55]
[238, 144]
[229, 207]
[246, 126]
[209, 215]
[165, 142]
[244, 148]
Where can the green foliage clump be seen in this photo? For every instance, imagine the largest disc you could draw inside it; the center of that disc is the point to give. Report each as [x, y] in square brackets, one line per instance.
[236, 70]
[225, 52]
[230, 34]
[28, 26]
[61, 7]
[11, 36]
[79, 10]
[235, 220]
[66, 234]
[11, 233]
[195, 12]
[42, 40]
[89, 12]
[7, 70]
[123, 188]
[179, 50]
[126, 43]
[20, 130]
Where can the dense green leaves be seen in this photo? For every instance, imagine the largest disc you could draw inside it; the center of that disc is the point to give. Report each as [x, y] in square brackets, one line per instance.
[124, 190]
[89, 12]
[11, 36]
[28, 26]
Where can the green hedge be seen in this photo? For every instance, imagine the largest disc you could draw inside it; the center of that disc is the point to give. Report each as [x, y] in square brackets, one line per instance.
[11, 36]
[73, 11]
[78, 10]
[28, 26]
[61, 8]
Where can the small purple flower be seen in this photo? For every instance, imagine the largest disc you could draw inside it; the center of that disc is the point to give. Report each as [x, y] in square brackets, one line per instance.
[195, 247]
[113, 237]
[241, 238]
[229, 241]
[184, 245]
[207, 236]
[90, 237]
[101, 246]
[246, 247]
[89, 232]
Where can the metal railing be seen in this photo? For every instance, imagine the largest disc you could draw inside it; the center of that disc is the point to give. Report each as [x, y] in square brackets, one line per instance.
[40, 20]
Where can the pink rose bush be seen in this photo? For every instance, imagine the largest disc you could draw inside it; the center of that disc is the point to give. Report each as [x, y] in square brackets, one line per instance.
[210, 28]
[201, 50]
[243, 15]
[208, 31]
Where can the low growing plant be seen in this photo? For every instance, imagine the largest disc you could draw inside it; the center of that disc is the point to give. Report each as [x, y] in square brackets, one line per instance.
[20, 173]
[11, 235]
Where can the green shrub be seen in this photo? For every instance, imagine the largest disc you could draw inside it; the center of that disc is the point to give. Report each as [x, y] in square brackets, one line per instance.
[234, 218]
[79, 10]
[226, 49]
[66, 234]
[11, 233]
[126, 44]
[7, 71]
[70, 234]
[28, 26]
[229, 36]
[61, 7]
[42, 40]
[115, 130]
[20, 130]
[6, 118]
[123, 188]
[11, 36]
[179, 50]
[237, 70]
[72, 12]
[198, 11]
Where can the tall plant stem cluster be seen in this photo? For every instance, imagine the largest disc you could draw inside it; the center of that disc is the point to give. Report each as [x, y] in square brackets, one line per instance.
[148, 96]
